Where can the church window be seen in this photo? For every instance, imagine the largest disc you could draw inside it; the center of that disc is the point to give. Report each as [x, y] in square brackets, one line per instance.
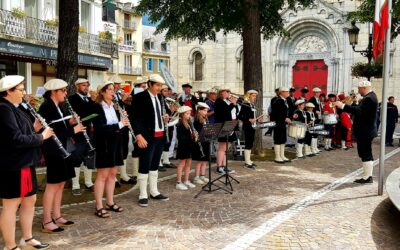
[198, 66]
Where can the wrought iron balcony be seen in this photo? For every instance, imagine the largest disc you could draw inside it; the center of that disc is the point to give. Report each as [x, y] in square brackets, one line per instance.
[130, 25]
[130, 70]
[36, 31]
[128, 46]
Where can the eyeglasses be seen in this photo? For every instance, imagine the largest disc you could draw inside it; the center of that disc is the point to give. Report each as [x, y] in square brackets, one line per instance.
[62, 90]
[22, 90]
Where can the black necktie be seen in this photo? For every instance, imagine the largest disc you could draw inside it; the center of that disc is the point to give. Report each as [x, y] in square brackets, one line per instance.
[158, 113]
[86, 99]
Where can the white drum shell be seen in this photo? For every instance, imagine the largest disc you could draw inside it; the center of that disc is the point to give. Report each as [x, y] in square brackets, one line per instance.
[297, 130]
[330, 119]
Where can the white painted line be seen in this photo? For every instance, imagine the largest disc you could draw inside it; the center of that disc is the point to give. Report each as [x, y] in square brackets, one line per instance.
[252, 236]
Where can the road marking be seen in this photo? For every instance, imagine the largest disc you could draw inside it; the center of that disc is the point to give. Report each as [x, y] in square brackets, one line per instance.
[252, 236]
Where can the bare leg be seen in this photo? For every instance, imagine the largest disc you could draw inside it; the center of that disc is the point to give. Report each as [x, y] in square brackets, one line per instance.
[99, 185]
[7, 221]
[26, 213]
[48, 201]
[188, 164]
[110, 185]
[203, 166]
[221, 153]
[179, 170]
[197, 167]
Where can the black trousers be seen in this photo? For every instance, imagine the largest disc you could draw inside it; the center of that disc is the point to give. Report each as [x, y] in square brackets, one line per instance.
[280, 134]
[249, 133]
[389, 133]
[364, 149]
[149, 158]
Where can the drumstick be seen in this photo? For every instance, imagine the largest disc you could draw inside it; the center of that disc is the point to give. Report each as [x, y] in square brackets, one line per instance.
[260, 116]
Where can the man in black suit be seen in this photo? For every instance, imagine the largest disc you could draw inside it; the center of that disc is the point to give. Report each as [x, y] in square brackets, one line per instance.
[186, 98]
[318, 107]
[392, 119]
[148, 122]
[364, 127]
[83, 106]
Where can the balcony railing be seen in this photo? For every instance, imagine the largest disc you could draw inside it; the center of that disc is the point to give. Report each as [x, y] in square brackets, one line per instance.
[128, 46]
[38, 32]
[130, 70]
[130, 25]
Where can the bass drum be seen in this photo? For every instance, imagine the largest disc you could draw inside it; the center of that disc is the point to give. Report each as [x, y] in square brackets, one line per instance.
[297, 130]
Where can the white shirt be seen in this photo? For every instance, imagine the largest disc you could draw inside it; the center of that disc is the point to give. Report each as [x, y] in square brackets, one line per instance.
[111, 115]
[84, 98]
[154, 100]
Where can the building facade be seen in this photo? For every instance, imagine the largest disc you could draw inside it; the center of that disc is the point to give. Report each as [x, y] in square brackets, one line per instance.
[29, 36]
[317, 54]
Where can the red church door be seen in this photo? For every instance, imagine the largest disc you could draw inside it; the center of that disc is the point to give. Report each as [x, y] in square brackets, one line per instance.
[310, 74]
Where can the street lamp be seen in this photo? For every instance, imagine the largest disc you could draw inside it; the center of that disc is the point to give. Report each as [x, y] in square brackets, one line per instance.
[353, 38]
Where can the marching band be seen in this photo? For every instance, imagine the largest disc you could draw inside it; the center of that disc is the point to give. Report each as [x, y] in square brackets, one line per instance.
[107, 120]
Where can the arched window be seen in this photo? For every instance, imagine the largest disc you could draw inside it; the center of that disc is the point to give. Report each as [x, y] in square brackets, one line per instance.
[198, 66]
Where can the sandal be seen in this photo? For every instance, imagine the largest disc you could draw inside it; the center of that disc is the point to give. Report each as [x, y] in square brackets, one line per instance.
[66, 223]
[114, 207]
[102, 213]
[55, 230]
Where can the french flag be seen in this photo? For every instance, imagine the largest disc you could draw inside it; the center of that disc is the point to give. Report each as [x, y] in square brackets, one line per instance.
[381, 23]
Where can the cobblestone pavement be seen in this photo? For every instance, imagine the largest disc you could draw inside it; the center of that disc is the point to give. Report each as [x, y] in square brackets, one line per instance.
[349, 217]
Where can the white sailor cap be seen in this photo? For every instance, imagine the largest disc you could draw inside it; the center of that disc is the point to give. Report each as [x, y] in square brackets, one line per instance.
[183, 109]
[116, 79]
[364, 83]
[316, 89]
[164, 86]
[156, 78]
[9, 82]
[212, 90]
[81, 80]
[310, 105]
[298, 102]
[223, 87]
[252, 91]
[202, 105]
[139, 80]
[283, 89]
[103, 85]
[55, 84]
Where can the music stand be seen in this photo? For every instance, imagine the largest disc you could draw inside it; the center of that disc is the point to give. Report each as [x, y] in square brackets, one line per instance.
[210, 133]
[226, 131]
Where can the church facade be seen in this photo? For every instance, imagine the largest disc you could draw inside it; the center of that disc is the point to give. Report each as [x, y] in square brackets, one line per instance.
[316, 54]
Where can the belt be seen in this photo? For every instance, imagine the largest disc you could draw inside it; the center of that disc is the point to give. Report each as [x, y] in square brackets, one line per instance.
[158, 134]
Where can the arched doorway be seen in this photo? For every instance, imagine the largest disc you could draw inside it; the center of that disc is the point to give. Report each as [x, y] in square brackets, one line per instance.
[310, 74]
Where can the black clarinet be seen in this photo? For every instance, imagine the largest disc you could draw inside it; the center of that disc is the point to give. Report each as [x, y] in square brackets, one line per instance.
[76, 118]
[42, 121]
[122, 113]
[196, 138]
[165, 123]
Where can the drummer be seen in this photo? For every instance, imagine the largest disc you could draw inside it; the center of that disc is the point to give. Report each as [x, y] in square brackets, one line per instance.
[312, 140]
[329, 109]
[300, 116]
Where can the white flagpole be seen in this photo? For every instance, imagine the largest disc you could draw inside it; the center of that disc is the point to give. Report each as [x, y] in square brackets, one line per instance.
[386, 67]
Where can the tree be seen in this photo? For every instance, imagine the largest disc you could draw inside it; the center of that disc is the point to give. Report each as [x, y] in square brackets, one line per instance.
[203, 19]
[67, 55]
[366, 13]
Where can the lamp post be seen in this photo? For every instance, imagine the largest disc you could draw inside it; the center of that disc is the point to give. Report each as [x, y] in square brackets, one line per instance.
[353, 38]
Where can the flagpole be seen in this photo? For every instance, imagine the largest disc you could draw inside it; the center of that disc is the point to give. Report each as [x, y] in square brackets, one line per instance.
[384, 101]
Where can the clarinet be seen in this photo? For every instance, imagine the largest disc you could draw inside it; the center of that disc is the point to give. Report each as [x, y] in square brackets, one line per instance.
[122, 113]
[75, 115]
[42, 121]
[196, 138]
[165, 124]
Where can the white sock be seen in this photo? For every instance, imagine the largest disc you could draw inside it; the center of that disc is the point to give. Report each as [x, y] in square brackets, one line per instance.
[165, 157]
[153, 178]
[135, 166]
[122, 172]
[88, 176]
[142, 181]
[75, 180]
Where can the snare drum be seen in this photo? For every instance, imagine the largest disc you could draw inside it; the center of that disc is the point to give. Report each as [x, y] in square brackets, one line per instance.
[330, 119]
[322, 132]
[316, 127]
[297, 130]
[262, 125]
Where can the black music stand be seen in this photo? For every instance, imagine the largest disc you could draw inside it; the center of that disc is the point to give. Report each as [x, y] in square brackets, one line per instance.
[226, 131]
[210, 133]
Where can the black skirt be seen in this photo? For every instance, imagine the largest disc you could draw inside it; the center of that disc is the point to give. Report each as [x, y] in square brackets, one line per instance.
[230, 138]
[10, 184]
[112, 155]
[184, 151]
[196, 154]
[58, 169]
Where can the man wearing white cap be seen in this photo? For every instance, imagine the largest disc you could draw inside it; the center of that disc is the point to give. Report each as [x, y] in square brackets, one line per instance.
[364, 127]
[83, 106]
[280, 114]
[315, 100]
[148, 125]
[186, 98]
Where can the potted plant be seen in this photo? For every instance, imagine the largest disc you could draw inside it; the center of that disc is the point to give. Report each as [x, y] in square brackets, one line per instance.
[51, 22]
[106, 35]
[366, 70]
[18, 13]
[118, 40]
[82, 29]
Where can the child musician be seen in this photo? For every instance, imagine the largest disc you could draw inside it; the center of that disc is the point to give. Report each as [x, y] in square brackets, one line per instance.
[248, 116]
[185, 146]
[201, 154]
[312, 118]
[300, 116]
[329, 108]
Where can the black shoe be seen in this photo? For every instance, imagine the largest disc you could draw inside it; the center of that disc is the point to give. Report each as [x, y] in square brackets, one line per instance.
[91, 188]
[287, 160]
[249, 166]
[310, 155]
[159, 197]
[290, 145]
[362, 181]
[143, 202]
[117, 184]
[161, 169]
[390, 145]
[24, 244]
[130, 181]
[280, 162]
[254, 165]
[76, 192]
[170, 165]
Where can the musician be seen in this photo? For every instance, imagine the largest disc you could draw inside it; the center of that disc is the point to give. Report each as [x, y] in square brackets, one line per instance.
[83, 106]
[346, 123]
[186, 141]
[312, 139]
[273, 99]
[211, 97]
[140, 85]
[280, 114]
[148, 126]
[121, 98]
[392, 119]
[329, 108]
[364, 127]
[300, 116]
[291, 100]
[304, 91]
[186, 98]
[59, 170]
[108, 132]
[317, 104]
[248, 116]
[19, 153]
[201, 152]
[226, 109]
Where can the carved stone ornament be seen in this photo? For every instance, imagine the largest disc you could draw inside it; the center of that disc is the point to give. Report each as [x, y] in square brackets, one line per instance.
[310, 44]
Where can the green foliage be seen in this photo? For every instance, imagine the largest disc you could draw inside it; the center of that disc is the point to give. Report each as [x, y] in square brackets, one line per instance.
[366, 13]
[106, 35]
[202, 19]
[17, 12]
[362, 69]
